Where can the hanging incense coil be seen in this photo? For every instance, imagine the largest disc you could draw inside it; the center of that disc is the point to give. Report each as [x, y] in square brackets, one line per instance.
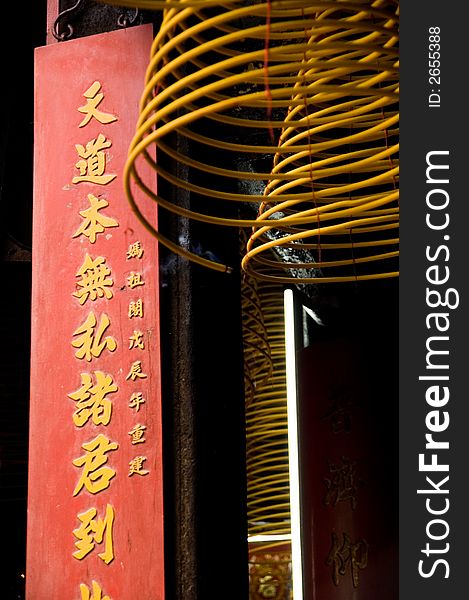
[311, 88]
[345, 217]
[267, 466]
[258, 364]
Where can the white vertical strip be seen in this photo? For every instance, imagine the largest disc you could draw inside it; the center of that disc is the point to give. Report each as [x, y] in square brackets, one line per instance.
[293, 450]
[269, 537]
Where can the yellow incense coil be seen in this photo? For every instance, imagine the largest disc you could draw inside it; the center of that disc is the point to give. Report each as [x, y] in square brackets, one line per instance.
[305, 90]
[257, 352]
[345, 217]
[268, 493]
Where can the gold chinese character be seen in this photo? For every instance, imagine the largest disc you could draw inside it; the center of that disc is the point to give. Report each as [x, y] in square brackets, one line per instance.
[136, 400]
[350, 555]
[90, 109]
[136, 371]
[94, 222]
[134, 279]
[137, 434]
[136, 309]
[95, 476]
[135, 250]
[91, 399]
[95, 594]
[95, 281]
[94, 531]
[342, 486]
[136, 340]
[89, 342]
[340, 410]
[136, 466]
[93, 163]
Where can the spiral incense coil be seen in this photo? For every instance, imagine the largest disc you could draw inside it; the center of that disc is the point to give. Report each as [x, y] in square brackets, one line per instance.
[276, 80]
[268, 492]
[348, 224]
[257, 353]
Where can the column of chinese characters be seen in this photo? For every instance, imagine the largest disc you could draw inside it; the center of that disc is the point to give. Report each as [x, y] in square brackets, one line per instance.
[92, 338]
[342, 487]
[136, 374]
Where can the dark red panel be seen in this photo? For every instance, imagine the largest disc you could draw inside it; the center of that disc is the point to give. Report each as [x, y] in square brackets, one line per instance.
[348, 471]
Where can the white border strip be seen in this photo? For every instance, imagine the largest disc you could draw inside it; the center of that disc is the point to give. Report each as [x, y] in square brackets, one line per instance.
[293, 450]
[269, 537]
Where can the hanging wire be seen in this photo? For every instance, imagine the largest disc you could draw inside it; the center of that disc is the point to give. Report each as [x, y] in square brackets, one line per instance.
[328, 92]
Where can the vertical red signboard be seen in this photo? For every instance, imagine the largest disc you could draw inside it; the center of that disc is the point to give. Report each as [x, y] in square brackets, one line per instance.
[95, 509]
